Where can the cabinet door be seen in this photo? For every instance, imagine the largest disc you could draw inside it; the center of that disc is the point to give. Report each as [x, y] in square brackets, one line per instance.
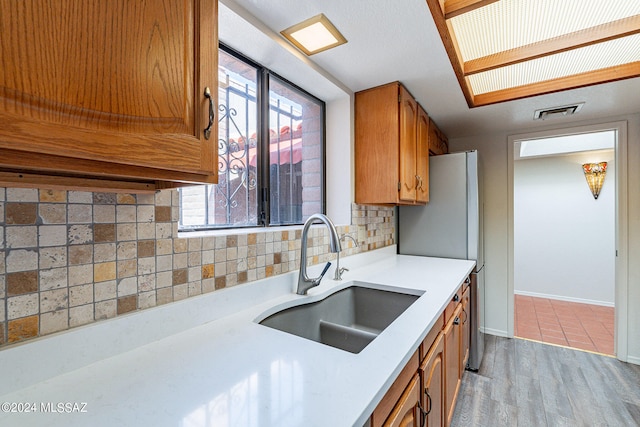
[422, 157]
[406, 412]
[109, 88]
[408, 117]
[452, 362]
[466, 330]
[433, 391]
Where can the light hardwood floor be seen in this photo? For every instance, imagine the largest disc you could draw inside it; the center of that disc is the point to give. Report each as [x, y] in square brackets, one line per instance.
[525, 383]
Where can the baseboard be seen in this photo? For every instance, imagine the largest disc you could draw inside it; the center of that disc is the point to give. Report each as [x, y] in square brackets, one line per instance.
[634, 360]
[563, 298]
[496, 332]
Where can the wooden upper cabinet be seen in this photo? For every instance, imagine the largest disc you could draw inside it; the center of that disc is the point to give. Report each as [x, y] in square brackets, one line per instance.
[438, 143]
[422, 158]
[108, 90]
[389, 155]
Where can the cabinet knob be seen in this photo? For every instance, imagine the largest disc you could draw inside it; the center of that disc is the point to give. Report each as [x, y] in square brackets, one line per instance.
[207, 130]
[456, 298]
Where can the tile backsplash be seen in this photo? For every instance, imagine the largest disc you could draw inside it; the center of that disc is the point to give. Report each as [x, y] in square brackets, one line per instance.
[69, 258]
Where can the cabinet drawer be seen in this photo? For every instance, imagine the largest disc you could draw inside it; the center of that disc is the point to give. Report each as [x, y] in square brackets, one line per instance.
[431, 337]
[388, 402]
[451, 307]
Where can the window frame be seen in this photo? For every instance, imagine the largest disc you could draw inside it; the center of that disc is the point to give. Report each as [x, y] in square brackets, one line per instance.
[263, 199]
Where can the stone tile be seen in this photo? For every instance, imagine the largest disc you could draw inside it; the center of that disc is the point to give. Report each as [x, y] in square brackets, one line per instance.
[80, 214]
[21, 260]
[164, 279]
[164, 230]
[20, 213]
[145, 214]
[54, 278]
[80, 254]
[180, 261]
[163, 213]
[80, 234]
[127, 268]
[194, 288]
[208, 257]
[21, 329]
[127, 304]
[81, 295]
[164, 246]
[52, 235]
[127, 286]
[104, 214]
[194, 274]
[194, 259]
[22, 306]
[127, 250]
[125, 199]
[180, 292]
[53, 257]
[80, 274]
[104, 252]
[221, 282]
[106, 290]
[146, 248]
[125, 213]
[53, 196]
[57, 299]
[2, 337]
[146, 230]
[22, 195]
[21, 236]
[104, 233]
[208, 271]
[208, 285]
[147, 299]
[146, 265]
[126, 232]
[104, 271]
[23, 282]
[164, 263]
[164, 296]
[52, 213]
[81, 315]
[106, 309]
[180, 245]
[145, 199]
[80, 197]
[179, 276]
[54, 321]
[146, 282]
[104, 198]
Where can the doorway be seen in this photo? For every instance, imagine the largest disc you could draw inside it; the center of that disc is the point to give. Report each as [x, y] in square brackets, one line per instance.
[564, 269]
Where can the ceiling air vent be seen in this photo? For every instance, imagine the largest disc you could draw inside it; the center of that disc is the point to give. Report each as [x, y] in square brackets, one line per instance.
[565, 110]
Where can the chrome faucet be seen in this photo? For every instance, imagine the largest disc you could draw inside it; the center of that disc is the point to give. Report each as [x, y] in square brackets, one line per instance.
[339, 270]
[304, 282]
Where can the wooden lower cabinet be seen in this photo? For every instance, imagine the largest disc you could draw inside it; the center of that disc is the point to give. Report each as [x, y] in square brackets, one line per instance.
[453, 371]
[407, 412]
[425, 392]
[433, 392]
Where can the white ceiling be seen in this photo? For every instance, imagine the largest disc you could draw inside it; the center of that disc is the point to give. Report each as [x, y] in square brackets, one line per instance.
[389, 42]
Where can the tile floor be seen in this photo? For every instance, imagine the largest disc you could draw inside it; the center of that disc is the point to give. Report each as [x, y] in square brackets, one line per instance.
[577, 325]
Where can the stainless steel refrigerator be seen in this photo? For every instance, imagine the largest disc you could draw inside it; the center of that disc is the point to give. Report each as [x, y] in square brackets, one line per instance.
[450, 226]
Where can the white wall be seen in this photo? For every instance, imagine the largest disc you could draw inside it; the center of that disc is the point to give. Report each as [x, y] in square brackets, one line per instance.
[564, 239]
[493, 153]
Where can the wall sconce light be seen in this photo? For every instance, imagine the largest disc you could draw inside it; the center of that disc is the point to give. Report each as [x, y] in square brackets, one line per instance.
[595, 173]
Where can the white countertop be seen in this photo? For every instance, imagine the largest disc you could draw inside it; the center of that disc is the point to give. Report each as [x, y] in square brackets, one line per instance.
[205, 362]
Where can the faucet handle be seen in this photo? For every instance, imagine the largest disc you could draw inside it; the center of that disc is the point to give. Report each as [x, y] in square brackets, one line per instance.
[326, 267]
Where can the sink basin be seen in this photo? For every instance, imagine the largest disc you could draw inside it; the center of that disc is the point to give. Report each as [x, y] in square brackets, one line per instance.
[348, 319]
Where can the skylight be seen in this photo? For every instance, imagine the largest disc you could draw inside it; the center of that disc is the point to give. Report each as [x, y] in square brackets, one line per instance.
[508, 49]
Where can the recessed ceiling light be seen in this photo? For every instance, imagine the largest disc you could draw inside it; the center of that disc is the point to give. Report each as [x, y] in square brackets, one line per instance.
[314, 35]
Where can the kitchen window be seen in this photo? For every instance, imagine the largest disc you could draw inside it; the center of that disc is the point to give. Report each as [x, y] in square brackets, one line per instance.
[270, 153]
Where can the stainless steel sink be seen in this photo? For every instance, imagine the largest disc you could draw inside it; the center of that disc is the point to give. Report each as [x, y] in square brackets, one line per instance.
[348, 319]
